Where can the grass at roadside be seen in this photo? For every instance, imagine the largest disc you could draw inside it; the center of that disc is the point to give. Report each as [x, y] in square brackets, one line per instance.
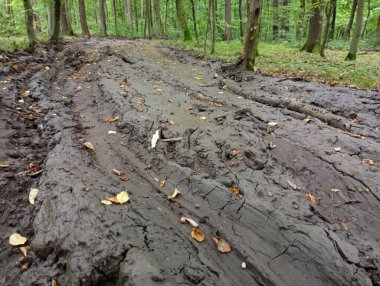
[285, 61]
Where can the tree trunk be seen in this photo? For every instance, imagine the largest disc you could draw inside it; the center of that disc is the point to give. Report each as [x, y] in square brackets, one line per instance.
[275, 20]
[332, 30]
[128, 13]
[241, 19]
[228, 20]
[208, 25]
[358, 28]
[29, 23]
[65, 21]
[157, 16]
[330, 9]
[83, 19]
[301, 21]
[37, 19]
[313, 42]
[378, 32]
[194, 19]
[103, 21]
[347, 31]
[56, 21]
[252, 36]
[284, 19]
[181, 17]
[213, 25]
[114, 12]
[148, 18]
[366, 19]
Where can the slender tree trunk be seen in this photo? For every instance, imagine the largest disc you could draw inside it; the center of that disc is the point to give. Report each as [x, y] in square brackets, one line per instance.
[329, 9]
[366, 19]
[83, 19]
[228, 20]
[194, 19]
[65, 21]
[313, 42]
[182, 20]
[114, 12]
[284, 19]
[301, 21]
[213, 25]
[56, 23]
[207, 26]
[29, 23]
[253, 34]
[50, 17]
[103, 21]
[37, 19]
[332, 30]
[241, 19]
[157, 16]
[358, 28]
[347, 31]
[378, 32]
[148, 18]
[128, 13]
[275, 20]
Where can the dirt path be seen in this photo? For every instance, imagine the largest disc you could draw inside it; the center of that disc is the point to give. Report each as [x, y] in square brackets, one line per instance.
[283, 144]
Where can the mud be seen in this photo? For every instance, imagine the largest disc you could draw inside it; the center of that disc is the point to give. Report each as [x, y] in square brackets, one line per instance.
[318, 138]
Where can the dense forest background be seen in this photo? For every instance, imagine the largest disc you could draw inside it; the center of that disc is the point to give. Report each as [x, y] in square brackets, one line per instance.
[205, 25]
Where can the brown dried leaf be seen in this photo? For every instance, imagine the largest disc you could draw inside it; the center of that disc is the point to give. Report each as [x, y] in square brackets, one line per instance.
[310, 197]
[175, 194]
[170, 100]
[234, 152]
[89, 145]
[234, 190]
[307, 120]
[124, 178]
[217, 104]
[32, 168]
[25, 93]
[162, 183]
[222, 245]
[343, 225]
[198, 235]
[117, 172]
[54, 282]
[270, 194]
[369, 162]
[125, 84]
[112, 119]
[3, 166]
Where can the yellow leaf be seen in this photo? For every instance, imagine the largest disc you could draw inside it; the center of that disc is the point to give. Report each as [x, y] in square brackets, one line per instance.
[112, 132]
[272, 123]
[3, 166]
[343, 225]
[106, 202]
[234, 190]
[222, 245]
[337, 149]
[54, 282]
[310, 197]
[162, 183]
[117, 172]
[203, 118]
[334, 190]
[170, 100]
[32, 195]
[175, 194]
[24, 250]
[122, 197]
[17, 239]
[234, 152]
[198, 235]
[369, 161]
[25, 93]
[112, 119]
[307, 120]
[89, 145]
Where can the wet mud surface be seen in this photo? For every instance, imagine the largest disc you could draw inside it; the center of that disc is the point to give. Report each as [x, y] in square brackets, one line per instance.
[304, 158]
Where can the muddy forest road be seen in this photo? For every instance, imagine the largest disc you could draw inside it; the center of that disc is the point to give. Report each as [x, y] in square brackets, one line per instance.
[287, 172]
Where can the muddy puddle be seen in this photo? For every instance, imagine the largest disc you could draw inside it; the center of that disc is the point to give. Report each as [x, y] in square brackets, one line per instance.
[286, 172]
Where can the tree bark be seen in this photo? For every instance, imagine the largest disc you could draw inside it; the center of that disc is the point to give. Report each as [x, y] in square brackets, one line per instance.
[332, 30]
[213, 25]
[29, 23]
[56, 21]
[228, 20]
[368, 16]
[194, 19]
[114, 12]
[378, 32]
[358, 28]
[275, 20]
[330, 9]
[128, 13]
[83, 19]
[157, 16]
[181, 17]
[103, 20]
[313, 42]
[148, 18]
[241, 19]
[284, 19]
[252, 36]
[65, 21]
[347, 31]
[37, 19]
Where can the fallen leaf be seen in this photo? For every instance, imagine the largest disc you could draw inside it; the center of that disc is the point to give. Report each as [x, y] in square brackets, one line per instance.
[272, 123]
[175, 194]
[222, 245]
[234, 152]
[234, 190]
[343, 225]
[17, 239]
[171, 122]
[122, 197]
[155, 138]
[162, 183]
[106, 202]
[216, 104]
[89, 145]
[54, 282]
[270, 194]
[295, 161]
[170, 100]
[125, 84]
[112, 132]
[29, 117]
[293, 185]
[337, 149]
[307, 120]
[310, 197]
[369, 162]
[203, 118]
[334, 190]
[295, 205]
[271, 145]
[32, 168]
[112, 119]
[188, 220]
[25, 93]
[366, 190]
[243, 265]
[117, 172]
[24, 250]
[124, 178]
[197, 234]
[32, 195]
[141, 100]
[3, 166]
[197, 78]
